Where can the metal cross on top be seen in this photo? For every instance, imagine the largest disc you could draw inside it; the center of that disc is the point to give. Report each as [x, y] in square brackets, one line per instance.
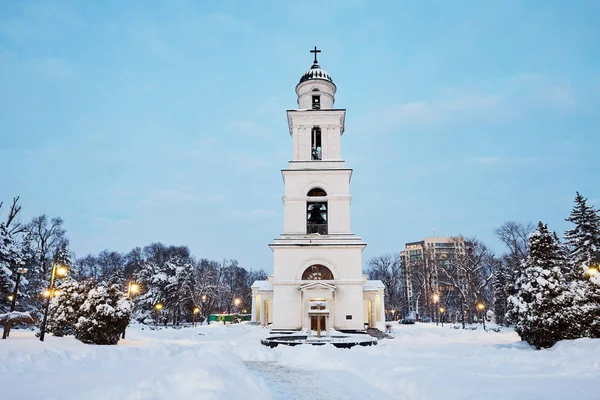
[315, 51]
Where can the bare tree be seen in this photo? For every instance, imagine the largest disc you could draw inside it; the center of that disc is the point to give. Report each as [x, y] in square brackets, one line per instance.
[46, 234]
[515, 236]
[469, 272]
[388, 269]
[12, 225]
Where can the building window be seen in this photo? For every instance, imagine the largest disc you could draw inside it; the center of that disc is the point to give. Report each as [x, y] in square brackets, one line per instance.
[317, 273]
[316, 217]
[316, 102]
[316, 149]
[316, 192]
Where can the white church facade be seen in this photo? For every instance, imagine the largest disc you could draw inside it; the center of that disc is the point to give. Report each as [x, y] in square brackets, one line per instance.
[317, 276]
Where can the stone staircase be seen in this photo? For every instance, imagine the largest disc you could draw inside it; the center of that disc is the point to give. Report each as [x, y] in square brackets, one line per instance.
[378, 333]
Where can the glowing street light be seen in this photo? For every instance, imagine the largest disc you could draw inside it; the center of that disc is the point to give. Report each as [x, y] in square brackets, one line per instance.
[196, 312]
[442, 314]
[61, 271]
[10, 297]
[203, 305]
[481, 307]
[436, 298]
[157, 308]
[592, 271]
[132, 288]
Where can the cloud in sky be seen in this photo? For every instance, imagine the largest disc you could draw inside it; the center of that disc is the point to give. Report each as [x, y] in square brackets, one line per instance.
[503, 101]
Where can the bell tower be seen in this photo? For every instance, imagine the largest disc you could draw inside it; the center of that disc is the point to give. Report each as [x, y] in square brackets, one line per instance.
[317, 260]
[317, 183]
[316, 131]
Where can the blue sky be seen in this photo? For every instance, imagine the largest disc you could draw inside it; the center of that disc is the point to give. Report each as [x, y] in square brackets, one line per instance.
[146, 121]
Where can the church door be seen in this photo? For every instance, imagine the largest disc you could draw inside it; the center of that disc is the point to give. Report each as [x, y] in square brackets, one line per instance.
[313, 322]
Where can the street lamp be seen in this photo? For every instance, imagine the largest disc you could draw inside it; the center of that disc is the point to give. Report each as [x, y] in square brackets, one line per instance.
[196, 312]
[132, 288]
[60, 271]
[157, 308]
[442, 313]
[592, 270]
[237, 304]
[436, 298]
[481, 307]
[13, 297]
[204, 298]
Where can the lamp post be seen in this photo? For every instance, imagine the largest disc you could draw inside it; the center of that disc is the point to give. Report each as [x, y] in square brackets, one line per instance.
[13, 298]
[132, 288]
[442, 313]
[157, 308]
[481, 307]
[592, 270]
[436, 298]
[61, 271]
[204, 309]
[237, 305]
[196, 312]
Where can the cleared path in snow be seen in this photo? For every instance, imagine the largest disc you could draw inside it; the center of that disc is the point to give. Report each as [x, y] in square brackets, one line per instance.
[292, 383]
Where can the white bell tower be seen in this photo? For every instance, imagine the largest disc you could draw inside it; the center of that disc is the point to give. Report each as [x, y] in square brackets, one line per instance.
[317, 258]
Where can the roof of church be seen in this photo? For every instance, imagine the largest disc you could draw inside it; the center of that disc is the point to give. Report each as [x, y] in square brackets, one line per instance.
[315, 72]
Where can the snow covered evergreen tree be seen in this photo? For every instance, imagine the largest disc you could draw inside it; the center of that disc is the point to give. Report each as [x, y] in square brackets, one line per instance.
[540, 306]
[499, 283]
[64, 308]
[62, 256]
[583, 240]
[583, 246]
[103, 315]
[179, 289]
[10, 260]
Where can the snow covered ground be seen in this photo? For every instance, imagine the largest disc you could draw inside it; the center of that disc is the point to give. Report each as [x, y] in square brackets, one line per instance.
[227, 362]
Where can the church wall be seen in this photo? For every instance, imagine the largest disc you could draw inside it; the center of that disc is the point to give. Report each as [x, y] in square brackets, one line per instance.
[305, 92]
[339, 216]
[332, 144]
[330, 123]
[348, 301]
[287, 314]
[344, 261]
[334, 182]
[295, 217]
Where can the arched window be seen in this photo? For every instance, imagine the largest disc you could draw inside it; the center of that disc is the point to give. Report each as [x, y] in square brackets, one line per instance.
[316, 99]
[317, 273]
[316, 151]
[316, 212]
[316, 192]
[316, 217]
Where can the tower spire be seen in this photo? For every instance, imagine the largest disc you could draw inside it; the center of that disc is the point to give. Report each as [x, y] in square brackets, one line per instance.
[315, 51]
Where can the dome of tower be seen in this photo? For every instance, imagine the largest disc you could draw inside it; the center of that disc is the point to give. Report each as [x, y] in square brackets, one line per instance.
[315, 72]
